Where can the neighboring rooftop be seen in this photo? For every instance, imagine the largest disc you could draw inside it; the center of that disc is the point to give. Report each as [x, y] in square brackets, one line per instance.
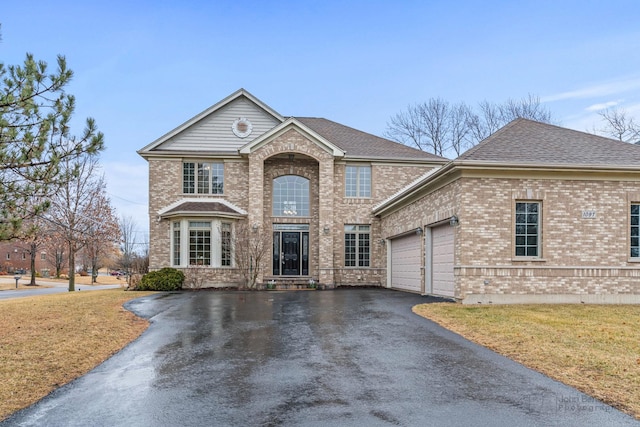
[361, 144]
[527, 141]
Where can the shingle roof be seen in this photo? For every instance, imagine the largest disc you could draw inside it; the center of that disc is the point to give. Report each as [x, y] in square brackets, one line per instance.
[527, 141]
[361, 144]
[203, 207]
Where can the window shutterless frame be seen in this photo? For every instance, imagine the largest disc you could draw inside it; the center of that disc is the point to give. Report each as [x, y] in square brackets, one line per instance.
[358, 181]
[203, 178]
[357, 245]
[634, 230]
[527, 229]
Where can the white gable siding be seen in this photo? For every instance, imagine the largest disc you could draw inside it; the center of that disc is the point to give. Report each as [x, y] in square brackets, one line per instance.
[213, 133]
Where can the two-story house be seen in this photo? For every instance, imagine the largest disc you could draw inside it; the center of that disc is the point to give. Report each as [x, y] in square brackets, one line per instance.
[534, 213]
[308, 184]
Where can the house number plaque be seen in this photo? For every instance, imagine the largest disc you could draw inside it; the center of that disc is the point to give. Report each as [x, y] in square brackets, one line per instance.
[589, 214]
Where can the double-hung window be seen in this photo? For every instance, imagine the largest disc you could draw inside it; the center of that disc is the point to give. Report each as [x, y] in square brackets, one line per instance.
[199, 243]
[635, 230]
[527, 229]
[358, 181]
[357, 247]
[202, 178]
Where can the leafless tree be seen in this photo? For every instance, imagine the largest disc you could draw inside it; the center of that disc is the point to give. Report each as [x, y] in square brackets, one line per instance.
[141, 259]
[408, 128]
[32, 236]
[127, 243]
[103, 235]
[460, 117]
[439, 127]
[56, 249]
[485, 122]
[250, 248]
[73, 208]
[619, 125]
[526, 108]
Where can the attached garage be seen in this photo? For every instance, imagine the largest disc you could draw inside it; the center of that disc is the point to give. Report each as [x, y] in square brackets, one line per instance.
[406, 258]
[440, 279]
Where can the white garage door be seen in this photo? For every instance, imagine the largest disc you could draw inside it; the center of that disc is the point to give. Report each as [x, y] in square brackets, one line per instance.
[405, 263]
[442, 262]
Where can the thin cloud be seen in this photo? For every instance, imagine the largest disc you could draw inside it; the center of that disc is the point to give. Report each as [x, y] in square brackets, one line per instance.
[602, 89]
[604, 105]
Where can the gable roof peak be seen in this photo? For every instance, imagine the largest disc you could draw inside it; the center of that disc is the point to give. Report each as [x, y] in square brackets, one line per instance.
[206, 113]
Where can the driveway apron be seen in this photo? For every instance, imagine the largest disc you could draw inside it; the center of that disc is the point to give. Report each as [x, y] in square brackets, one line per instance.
[353, 357]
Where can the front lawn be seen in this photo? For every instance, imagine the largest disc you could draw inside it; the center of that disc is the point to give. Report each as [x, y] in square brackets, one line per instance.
[47, 341]
[594, 348]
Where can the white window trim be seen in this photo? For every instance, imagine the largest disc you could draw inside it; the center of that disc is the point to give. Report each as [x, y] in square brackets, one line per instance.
[195, 177]
[358, 168]
[216, 242]
[357, 232]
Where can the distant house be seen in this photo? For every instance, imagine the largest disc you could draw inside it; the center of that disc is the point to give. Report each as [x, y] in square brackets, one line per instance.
[535, 213]
[16, 257]
[309, 184]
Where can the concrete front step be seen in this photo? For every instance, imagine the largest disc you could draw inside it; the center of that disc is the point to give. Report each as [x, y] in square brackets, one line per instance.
[289, 287]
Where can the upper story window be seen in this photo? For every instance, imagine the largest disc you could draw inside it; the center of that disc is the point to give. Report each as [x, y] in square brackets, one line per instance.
[527, 234]
[635, 230]
[358, 181]
[202, 178]
[290, 196]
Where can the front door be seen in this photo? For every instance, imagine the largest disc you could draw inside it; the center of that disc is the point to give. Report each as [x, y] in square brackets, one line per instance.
[290, 253]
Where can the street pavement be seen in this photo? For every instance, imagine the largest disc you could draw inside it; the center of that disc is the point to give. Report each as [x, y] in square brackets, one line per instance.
[53, 288]
[353, 357]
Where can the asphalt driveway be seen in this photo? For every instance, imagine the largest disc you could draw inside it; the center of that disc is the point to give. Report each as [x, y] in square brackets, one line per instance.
[341, 358]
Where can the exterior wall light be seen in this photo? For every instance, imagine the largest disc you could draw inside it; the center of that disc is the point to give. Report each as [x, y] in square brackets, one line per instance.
[453, 221]
[382, 241]
[326, 230]
[255, 227]
[419, 231]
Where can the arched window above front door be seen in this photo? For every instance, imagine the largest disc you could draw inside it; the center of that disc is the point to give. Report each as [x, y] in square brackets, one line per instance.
[290, 196]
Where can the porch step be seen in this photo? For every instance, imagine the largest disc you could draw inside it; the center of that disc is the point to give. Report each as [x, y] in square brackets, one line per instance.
[286, 287]
[292, 284]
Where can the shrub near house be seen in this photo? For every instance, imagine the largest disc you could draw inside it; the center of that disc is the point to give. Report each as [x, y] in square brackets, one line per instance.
[165, 279]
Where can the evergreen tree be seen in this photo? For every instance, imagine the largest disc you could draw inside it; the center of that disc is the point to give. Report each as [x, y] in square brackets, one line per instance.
[35, 114]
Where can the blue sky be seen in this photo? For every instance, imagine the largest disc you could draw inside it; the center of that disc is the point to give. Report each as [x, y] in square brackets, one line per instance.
[144, 67]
